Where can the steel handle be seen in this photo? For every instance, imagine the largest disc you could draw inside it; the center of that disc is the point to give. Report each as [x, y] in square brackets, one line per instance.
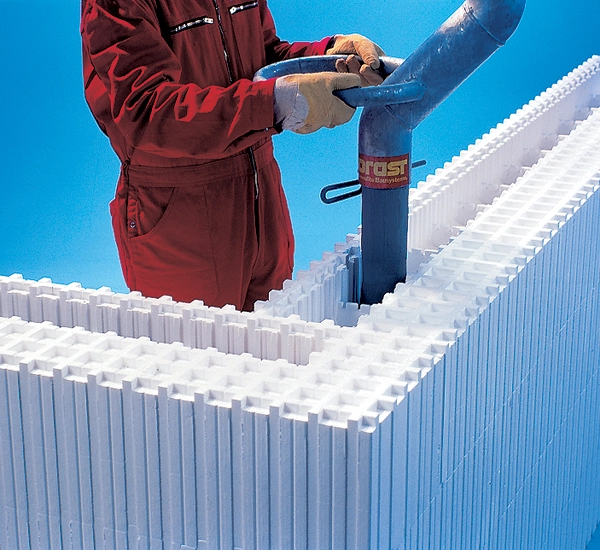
[337, 198]
[394, 94]
[355, 97]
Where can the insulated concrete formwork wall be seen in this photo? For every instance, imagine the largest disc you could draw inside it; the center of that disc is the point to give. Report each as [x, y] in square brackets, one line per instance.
[460, 413]
[446, 200]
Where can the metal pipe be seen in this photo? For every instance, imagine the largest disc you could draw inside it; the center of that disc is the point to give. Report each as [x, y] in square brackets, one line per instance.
[475, 31]
[384, 152]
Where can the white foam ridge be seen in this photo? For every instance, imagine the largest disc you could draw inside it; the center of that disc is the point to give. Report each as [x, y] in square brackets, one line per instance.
[461, 412]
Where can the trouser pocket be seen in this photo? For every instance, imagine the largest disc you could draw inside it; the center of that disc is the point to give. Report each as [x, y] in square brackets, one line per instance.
[170, 243]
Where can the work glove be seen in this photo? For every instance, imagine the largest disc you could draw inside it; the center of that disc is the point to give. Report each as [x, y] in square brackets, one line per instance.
[324, 109]
[365, 49]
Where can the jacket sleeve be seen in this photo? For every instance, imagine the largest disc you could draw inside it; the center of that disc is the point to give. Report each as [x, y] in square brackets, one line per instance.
[149, 105]
[277, 49]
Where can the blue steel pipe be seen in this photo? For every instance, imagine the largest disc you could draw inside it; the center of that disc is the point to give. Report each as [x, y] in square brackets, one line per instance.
[475, 31]
[392, 111]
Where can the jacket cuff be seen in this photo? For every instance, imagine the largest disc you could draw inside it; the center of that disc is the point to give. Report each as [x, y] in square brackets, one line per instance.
[323, 45]
[263, 113]
[330, 42]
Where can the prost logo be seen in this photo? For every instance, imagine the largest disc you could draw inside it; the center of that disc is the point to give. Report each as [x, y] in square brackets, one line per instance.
[383, 172]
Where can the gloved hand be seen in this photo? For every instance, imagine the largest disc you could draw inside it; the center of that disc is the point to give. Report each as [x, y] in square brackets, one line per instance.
[324, 109]
[367, 50]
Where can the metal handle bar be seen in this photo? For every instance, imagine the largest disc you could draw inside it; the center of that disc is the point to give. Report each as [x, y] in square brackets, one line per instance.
[344, 196]
[355, 97]
[319, 63]
[394, 94]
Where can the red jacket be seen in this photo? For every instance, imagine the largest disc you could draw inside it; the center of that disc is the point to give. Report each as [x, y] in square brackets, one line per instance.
[199, 211]
[171, 81]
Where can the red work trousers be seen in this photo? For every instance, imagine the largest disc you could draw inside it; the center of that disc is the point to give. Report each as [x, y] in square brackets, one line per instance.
[200, 232]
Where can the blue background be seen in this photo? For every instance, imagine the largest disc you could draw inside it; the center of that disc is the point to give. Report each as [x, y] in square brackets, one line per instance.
[58, 172]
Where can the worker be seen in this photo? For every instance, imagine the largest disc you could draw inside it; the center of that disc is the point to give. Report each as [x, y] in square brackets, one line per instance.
[199, 211]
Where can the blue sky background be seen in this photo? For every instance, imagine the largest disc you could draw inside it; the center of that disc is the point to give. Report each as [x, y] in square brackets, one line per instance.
[58, 171]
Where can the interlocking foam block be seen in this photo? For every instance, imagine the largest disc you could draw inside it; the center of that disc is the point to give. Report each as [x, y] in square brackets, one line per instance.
[461, 412]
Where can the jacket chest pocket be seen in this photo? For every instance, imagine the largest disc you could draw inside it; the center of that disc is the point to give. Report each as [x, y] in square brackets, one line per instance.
[191, 28]
[191, 24]
[247, 29]
[182, 17]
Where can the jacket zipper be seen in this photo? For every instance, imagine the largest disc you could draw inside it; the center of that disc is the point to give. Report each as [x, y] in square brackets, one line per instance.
[230, 74]
[242, 7]
[192, 23]
[222, 33]
[254, 171]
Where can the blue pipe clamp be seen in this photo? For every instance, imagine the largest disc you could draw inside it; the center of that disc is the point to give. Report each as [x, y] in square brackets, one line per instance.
[413, 89]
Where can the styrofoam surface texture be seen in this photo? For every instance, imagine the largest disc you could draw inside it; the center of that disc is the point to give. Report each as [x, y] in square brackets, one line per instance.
[459, 413]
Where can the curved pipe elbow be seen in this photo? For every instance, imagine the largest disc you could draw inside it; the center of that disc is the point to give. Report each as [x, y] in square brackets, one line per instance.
[441, 63]
[499, 18]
